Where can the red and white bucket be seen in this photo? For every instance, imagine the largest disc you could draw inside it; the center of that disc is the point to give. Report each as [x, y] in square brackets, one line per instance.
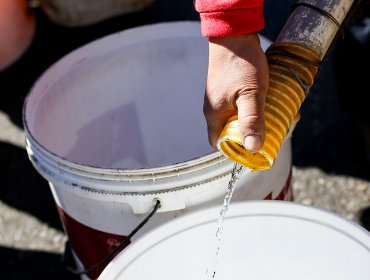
[118, 123]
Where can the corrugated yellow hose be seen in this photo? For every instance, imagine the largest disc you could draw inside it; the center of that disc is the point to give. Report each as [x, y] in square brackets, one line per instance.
[292, 71]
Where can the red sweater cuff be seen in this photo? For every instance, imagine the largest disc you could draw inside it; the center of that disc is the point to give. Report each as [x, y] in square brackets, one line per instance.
[232, 22]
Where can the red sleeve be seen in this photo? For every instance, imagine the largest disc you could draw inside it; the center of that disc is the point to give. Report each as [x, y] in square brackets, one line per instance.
[230, 17]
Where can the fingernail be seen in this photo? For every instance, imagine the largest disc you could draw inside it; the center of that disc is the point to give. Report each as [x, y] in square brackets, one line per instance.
[253, 143]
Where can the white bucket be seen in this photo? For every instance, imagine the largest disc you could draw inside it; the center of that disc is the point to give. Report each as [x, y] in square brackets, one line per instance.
[261, 240]
[118, 123]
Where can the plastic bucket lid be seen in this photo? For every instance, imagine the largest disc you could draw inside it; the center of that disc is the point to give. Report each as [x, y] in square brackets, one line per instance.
[261, 240]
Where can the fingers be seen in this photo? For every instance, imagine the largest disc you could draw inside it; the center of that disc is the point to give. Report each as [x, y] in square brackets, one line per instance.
[297, 117]
[251, 121]
[216, 117]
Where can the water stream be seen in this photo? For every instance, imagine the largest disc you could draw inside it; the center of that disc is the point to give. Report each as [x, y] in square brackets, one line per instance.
[237, 171]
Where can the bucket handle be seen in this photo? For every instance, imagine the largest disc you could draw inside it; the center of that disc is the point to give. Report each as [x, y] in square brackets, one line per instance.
[118, 248]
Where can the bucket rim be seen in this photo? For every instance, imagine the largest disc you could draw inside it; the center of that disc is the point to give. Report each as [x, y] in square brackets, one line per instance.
[216, 157]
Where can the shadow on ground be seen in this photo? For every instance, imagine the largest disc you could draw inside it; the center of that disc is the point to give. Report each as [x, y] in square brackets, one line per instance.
[27, 265]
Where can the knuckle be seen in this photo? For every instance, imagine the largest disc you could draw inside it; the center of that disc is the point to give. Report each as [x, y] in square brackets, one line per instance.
[251, 122]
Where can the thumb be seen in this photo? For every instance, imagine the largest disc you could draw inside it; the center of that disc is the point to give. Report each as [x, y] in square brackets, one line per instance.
[251, 121]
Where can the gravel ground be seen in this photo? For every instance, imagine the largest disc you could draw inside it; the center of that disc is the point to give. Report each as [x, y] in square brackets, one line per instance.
[341, 194]
[329, 172]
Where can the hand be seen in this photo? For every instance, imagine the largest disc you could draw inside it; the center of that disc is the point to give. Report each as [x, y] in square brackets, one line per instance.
[237, 83]
[17, 28]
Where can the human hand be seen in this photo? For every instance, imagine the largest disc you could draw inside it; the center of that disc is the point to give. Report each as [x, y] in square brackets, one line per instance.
[17, 28]
[237, 83]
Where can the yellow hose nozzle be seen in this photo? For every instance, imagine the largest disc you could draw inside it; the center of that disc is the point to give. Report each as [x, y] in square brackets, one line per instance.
[292, 70]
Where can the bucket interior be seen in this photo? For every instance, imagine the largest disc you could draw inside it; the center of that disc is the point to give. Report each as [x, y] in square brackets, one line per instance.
[130, 100]
[297, 243]
[137, 105]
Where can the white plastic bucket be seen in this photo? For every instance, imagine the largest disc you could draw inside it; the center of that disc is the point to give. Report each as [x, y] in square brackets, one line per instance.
[118, 123]
[261, 240]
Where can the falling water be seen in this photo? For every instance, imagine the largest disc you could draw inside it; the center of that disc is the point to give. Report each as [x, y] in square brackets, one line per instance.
[237, 171]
